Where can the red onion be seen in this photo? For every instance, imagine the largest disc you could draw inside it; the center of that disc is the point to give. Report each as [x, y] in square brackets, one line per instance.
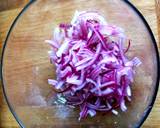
[93, 71]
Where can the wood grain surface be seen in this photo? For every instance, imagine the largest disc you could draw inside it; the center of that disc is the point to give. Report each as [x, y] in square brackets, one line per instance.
[9, 9]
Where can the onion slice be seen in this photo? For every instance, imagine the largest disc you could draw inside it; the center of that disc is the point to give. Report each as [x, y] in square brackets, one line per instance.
[92, 68]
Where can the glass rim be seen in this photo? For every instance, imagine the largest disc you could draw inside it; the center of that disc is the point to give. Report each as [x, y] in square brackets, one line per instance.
[141, 121]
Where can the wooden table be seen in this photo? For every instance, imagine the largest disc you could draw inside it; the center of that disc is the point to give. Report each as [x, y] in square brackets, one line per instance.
[9, 10]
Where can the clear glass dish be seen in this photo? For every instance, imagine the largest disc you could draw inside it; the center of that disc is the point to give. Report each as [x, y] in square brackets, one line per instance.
[26, 67]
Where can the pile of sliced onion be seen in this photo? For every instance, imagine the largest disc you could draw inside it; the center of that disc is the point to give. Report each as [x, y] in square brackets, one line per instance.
[93, 71]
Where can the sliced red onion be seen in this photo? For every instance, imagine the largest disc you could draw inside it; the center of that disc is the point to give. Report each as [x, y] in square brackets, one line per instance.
[52, 82]
[59, 84]
[72, 80]
[58, 35]
[114, 112]
[63, 48]
[128, 90]
[123, 106]
[52, 43]
[97, 53]
[92, 69]
[85, 60]
[107, 91]
[66, 71]
[91, 112]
